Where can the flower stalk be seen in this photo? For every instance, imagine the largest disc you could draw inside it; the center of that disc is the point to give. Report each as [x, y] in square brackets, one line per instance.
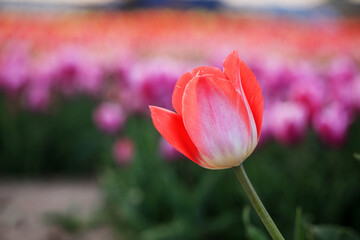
[257, 204]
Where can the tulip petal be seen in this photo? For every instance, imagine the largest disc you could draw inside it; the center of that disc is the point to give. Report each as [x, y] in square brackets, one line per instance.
[179, 91]
[217, 121]
[243, 78]
[171, 127]
[206, 70]
[184, 80]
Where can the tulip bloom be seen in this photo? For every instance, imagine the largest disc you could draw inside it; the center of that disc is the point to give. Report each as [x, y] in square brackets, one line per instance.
[109, 117]
[218, 115]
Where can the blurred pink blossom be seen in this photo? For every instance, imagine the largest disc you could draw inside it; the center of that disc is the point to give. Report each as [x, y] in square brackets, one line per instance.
[38, 90]
[297, 90]
[14, 67]
[275, 76]
[109, 117]
[288, 122]
[66, 65]
[153, 81]
[310, 92]
[347, 92]
[331, 124]
[76, 71]
[123, 151]
[342, 69]
[90, 79]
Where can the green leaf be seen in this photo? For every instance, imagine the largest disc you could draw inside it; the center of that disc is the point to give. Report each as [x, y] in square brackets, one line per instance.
[171, 230]
[252, 232]
[299, 231]
[333, 232]
[357, 156]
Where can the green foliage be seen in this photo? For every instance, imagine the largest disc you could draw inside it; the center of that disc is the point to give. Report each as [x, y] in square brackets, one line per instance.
[300, 226]
[252, 232]
[156, 199]
[73, 222]
[68, 222]
[153, 198]
[331, 232]
[303, 230]
[63, 140]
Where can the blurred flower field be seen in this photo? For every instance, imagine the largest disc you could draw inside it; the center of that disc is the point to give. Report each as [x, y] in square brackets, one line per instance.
[74, 96]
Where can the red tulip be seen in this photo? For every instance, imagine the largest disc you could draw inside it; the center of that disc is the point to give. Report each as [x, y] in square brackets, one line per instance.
[218, 115]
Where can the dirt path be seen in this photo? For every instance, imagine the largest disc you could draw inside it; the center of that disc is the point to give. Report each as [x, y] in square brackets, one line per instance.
[24, 205]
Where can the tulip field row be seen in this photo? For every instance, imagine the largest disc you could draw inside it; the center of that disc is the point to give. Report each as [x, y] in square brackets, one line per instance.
[308, 70]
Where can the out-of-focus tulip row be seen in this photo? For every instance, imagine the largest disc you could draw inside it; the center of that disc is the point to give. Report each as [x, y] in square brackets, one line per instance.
[308, 70]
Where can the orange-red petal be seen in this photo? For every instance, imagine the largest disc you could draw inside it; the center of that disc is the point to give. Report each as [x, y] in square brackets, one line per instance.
[206, 70]
[171, 127]
[242, 77]
[217, 121]
[184, 80]
[179, 91]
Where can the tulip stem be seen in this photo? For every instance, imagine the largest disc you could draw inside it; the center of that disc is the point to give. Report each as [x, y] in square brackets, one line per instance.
[257, 204]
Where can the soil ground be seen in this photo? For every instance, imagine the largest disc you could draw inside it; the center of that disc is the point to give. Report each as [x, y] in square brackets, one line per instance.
[24, 206]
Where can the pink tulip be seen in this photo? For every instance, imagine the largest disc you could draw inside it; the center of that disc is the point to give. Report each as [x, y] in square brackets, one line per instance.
[37, 93]
[14, 68]
[332, 124]
[66, 66]
[153, 81]
[342, 69]
[76, 71]
[309, 92]
[288, 122]
[109, 117]
[276, 76]
[123, 151]
[90, 79]
[347, 92]
[218, 115]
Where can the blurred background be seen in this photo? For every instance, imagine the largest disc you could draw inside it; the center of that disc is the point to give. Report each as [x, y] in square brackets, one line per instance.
[80, 158]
